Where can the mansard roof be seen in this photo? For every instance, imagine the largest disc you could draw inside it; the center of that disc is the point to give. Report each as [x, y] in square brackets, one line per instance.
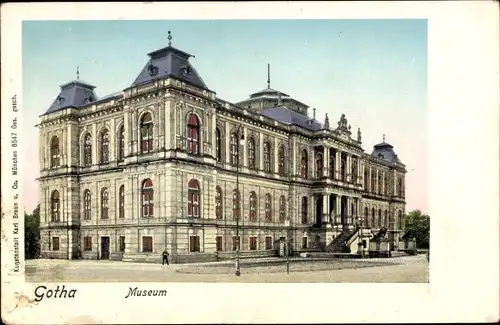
[287, 116]
[75, 94]
[385, 151]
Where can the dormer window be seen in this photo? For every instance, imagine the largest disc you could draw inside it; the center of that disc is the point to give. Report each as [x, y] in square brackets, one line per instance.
[60, 100]
[186, 70]
[153, 70]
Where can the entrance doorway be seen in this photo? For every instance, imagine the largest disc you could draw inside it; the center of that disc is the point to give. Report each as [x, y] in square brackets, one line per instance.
[105, 248]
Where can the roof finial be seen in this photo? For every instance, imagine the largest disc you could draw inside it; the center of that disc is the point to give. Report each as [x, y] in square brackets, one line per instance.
[268, 76]
[77, 72]
[383, 138]
[314, 113]
[169, 39]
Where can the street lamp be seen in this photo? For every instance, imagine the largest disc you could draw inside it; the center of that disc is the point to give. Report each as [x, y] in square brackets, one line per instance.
[287, 225]
[240, 141]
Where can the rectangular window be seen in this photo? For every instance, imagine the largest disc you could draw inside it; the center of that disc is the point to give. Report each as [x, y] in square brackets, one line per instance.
[122, 243]
[304, 242]
[269, 242]
[87, 243]
[253, 243]
[235, 243]
[194, 244]
[55, 243]
[218, 243]
[147, 244]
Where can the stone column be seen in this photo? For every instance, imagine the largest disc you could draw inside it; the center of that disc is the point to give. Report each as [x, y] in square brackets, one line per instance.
[227, 140]
[243, 149]
[112, 141]
[338, 156]
[312, 164]
[169, 123]
[348, 167]
[326, 160]
[261, 151]
[134, 123]
[338, 206]
[69, 145]
[275, 156]
[214, 136]
[326, 207]
[95, 143]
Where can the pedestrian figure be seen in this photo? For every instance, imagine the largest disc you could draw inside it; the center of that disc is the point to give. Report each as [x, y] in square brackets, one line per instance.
[165, 257]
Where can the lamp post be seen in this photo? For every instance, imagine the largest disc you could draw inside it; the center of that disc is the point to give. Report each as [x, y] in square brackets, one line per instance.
[240, 141]
[287, 225]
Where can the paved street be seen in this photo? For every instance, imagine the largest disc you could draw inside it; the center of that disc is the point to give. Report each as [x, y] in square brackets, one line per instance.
[401, 269]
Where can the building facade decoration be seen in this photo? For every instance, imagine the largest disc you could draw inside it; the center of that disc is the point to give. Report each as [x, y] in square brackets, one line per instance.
[154, 166]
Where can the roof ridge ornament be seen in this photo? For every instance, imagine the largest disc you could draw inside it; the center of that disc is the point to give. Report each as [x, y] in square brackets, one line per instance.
[169, 38]
[359, 134]
[383, 138]
[77, 72]
[342, 125]
[327, 122]
[268, 76]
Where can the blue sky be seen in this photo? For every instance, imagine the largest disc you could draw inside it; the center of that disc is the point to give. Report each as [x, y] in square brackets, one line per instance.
[374, 71]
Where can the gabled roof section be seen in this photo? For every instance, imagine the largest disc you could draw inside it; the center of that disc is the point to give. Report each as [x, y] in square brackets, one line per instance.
[290, 117]
[75, 94]
[169, 62]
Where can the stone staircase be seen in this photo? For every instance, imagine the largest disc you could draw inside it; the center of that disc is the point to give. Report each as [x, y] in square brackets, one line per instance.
[340, 243]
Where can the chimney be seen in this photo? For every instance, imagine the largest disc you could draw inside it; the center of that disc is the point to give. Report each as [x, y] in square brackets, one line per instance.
[314, 113]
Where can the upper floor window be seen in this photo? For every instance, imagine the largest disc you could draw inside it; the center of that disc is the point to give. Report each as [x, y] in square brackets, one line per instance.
[331, 168]
[379, 181]
[218, 145]
[373, 218]
[234, 149]
[87, 150]
[121, 202]
[251, 153]
[121, 143]
[236, 204]
[282, 212]
[400, 187]
[193, 198]
[304, 208]
[55, 206]
[319, 165]
[104, 203]
[400, 220]
[253, 206]
[104, 149]
[281, 161]
[386, 186]
[343, 169]
[303, 164]
[267, 157]
[373, 186]
[193, 134]
[379, 223]
[54, 152]
[218, 203]
[268, 208]
[147, 198]
[146, 133]
[366, 180]
[87, 205]
[354, 170]
[367, 223]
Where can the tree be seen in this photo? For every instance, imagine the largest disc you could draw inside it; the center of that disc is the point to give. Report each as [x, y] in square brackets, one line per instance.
[419, 225]
[32, 234]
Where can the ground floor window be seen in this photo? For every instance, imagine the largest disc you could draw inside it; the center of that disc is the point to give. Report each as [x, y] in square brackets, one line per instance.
[122, 243]
[269, 242]
[235, 242]
[55, 243]
[194, 243]
[304, 242]
[253, 243]
[218, 243]
[147, 244]
[87, 243]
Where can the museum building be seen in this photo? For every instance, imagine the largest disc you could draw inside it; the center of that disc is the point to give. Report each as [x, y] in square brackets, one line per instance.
[165, 163]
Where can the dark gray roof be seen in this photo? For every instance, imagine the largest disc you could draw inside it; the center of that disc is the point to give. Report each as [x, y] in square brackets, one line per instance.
[288, 116]
[386, 152]
[169, 62]
[75, 93]
[268, 91]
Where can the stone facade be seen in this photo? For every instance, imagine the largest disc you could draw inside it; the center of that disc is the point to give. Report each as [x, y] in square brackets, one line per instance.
[114, 185]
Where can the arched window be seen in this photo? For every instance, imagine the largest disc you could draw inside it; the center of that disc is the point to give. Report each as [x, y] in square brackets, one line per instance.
[234, 149]
[303, 211]
[54, 152]
[303, 165]
[400, 220]
[147, 198]
[331, 168]
[354, 170]
[268, 208]
[343, 169]
[104, 146]
[87, 205]
[319, 165]
[87, 150]
[373, 187]
[147, 133]
[104, 204]
[379, 223]
[400, 187]
[251, 153]
[218, 203]
[253, 206]
[121, 143]
[236, 204]
[367, 222]
[385, 219]
[281, 161]
[193, 198]
[386, 186]
[282, 213]
[193, 134]
[218, 145]
[55, 207]
[267, 157]
[373, 218]
[121, 202]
